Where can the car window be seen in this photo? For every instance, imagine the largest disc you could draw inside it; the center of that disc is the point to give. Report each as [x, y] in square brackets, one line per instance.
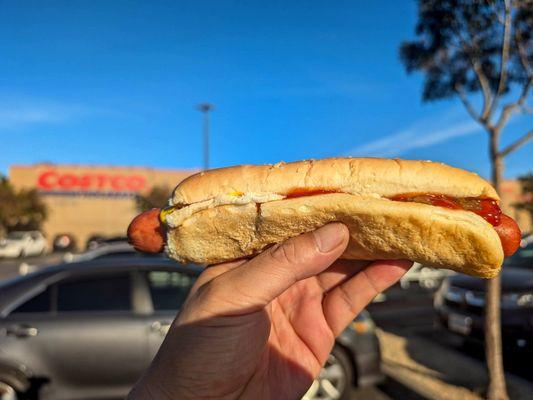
[523, 258]
[169, 289]
[40, 303]
[103, 293]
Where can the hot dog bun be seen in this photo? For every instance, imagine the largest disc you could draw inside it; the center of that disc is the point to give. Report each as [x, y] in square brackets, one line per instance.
[229, 213]
[375, 177]
[379, 229]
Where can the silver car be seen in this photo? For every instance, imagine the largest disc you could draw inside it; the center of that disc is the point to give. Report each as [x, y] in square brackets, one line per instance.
[88, 330]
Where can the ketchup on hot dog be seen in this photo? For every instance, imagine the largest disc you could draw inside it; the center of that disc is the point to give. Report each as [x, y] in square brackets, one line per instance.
[488, 209]
[506, 227]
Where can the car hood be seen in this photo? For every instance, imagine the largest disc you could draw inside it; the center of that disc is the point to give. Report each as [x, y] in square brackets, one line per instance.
[513, 280]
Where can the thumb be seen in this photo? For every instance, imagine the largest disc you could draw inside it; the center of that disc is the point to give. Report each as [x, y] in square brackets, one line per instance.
[256, 283]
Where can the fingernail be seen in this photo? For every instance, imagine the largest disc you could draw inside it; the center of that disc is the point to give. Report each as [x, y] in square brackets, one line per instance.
[329, 236]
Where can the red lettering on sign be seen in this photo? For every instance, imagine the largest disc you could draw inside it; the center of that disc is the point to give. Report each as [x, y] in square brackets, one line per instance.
[44, 181]
[136, 182]
[85, 181]
[67, 181]
[50, 180]
[117, 182]
[101, 181]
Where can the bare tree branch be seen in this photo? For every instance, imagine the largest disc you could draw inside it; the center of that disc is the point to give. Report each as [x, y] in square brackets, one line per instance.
[497, 15]
[508, 109]
[523, 54]
[506, 44]
[468, 105]
[487, 93]
[480, 75]
[485, 88]
[520, 142]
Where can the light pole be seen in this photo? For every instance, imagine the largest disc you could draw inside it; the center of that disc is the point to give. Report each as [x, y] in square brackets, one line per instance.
[205, 108]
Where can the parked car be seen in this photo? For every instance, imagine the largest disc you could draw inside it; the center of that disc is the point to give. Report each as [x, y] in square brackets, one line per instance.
[22, 244]
[97, 241]
[117, 249]
[88, 330]
[526, 239]
[64, 242]
[460, 302]
[93, 242]
[426, 277]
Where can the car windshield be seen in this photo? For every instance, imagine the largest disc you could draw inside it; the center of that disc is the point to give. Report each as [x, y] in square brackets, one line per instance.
[523, 258]
[15, 235]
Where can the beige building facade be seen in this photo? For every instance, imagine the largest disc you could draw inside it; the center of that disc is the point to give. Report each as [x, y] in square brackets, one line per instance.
[90, 200]
[512, 194]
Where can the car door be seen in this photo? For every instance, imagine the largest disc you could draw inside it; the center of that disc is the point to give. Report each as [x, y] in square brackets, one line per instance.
[168, 290]
[33, 244]
[25, 243]
[91, 345]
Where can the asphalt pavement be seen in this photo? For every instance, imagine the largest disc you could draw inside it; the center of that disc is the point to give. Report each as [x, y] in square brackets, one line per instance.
[432, 361]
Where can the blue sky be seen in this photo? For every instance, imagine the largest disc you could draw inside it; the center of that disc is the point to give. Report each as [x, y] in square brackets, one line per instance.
[116, 83]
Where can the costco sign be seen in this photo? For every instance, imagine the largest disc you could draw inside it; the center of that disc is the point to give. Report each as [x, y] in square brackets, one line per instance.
[90, 182]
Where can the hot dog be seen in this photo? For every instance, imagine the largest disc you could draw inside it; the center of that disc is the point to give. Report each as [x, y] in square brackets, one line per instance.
[146, 232]
[427, 212]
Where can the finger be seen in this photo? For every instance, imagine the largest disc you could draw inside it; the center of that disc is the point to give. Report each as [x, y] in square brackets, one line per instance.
[256, 283]
[340, 271]
[212, 271]
[348, 299]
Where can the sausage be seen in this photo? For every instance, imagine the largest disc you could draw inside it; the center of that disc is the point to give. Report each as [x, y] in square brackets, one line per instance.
[509, 234]
[147, 233]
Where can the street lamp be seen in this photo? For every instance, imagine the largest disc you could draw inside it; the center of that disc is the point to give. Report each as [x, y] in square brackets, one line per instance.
[205, 108]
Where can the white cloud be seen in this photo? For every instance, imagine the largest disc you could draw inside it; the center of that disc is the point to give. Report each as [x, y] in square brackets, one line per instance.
[423, 133]
[16, 113]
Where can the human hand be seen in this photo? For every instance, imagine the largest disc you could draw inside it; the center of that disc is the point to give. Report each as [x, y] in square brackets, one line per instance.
[263, 328]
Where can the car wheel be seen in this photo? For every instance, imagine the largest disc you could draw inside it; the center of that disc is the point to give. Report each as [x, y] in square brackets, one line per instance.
[7, 392]
[334, 380]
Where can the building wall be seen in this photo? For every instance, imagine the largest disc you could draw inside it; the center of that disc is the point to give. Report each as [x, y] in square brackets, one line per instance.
[511, 193]
[90, 200]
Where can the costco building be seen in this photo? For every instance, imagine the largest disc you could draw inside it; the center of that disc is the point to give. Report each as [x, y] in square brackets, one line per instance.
[90, 200]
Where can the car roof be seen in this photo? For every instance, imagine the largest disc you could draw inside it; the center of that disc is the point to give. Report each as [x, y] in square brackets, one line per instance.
[135, 260]
[13, 288]
[102, 250]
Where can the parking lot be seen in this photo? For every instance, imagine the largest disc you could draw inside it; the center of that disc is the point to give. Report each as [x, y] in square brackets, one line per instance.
[413, 347]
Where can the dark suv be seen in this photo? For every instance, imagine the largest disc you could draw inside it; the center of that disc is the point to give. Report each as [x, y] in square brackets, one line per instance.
[460, 302]
[88, 330]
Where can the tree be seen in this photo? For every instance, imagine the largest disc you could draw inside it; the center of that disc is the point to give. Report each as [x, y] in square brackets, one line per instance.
[527, 191]
[469, 47]
[21, 210]
[157, 197]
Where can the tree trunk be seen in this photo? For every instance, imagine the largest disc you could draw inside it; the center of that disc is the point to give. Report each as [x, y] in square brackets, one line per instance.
[493, 339]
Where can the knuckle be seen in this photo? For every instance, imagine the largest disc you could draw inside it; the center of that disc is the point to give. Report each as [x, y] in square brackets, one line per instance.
[208, 291]
[285, 253]
[348, 301]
